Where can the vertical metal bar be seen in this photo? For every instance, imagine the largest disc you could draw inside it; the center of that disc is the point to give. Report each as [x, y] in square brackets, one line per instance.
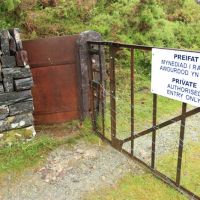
[91, 93]
[101, 90]
[181, 142]
[132, 101]
[112, 92]
[153, 151]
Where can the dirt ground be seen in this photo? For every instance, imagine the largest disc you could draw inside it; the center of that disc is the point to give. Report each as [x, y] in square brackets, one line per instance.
[69, 173]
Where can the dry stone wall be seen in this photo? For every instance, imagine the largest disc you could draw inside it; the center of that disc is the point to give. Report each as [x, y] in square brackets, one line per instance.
[16, 103]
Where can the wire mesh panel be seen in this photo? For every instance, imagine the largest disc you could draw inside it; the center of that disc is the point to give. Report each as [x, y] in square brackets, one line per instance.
[154, 130]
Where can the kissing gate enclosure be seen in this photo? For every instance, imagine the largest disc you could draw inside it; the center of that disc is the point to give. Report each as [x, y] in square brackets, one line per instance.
[77, 76]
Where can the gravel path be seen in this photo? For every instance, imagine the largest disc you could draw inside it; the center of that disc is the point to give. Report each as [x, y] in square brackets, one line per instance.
[69, 173]
[167, 139]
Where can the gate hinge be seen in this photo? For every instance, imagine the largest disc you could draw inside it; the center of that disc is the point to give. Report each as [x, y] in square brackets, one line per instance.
[94, 51]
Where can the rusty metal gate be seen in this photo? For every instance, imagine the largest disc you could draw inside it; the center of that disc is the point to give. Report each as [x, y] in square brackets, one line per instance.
[103, 97]
[53, 64]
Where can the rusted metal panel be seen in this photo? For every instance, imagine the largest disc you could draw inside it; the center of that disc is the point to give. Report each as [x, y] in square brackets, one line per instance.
[54, 68]
[51, 118]
[51, 51]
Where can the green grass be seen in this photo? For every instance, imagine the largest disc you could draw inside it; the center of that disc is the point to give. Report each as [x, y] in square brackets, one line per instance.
[144, 186]
[159, 23]
[21, 156]
[190, 166]
[166, 23]
[143, 104]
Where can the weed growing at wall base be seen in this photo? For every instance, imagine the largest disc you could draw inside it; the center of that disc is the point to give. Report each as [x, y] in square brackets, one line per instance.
[21, 156]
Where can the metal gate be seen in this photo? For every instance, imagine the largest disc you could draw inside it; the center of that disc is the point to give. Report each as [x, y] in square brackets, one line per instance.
[53, 64]
[103, 97]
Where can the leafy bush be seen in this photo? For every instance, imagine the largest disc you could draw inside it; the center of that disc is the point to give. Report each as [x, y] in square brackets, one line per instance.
[163, 23]
[172, 5]
[9, 5]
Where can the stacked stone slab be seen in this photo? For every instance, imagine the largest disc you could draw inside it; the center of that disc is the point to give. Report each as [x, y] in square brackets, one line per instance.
[16, 103]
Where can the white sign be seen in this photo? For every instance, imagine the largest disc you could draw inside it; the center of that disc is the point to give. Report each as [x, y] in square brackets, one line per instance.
[176, 74]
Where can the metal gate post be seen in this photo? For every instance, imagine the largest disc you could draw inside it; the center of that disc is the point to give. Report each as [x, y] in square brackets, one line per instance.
[154, 131]
[132, 101]
[102, 93]
[112, 92]
[91, 91]
[181, 142]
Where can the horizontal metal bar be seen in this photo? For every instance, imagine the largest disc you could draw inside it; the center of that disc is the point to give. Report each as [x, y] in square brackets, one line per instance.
[172, 183]
[141, 47]
[94, 51]
[118, 45]
[96, 70]
[163, 124]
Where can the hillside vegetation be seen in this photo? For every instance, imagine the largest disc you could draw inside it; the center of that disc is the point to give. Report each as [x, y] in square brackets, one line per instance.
[164, 23]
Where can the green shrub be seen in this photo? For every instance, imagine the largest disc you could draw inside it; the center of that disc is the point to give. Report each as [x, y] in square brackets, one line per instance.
[9, 5]
[172, 5]
[162, 23]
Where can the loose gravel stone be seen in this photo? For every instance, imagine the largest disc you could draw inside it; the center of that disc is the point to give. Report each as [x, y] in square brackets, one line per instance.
[167, 139]
[69, 174]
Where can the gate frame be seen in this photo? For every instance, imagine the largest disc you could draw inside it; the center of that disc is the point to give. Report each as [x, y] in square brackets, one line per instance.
[117, 143]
